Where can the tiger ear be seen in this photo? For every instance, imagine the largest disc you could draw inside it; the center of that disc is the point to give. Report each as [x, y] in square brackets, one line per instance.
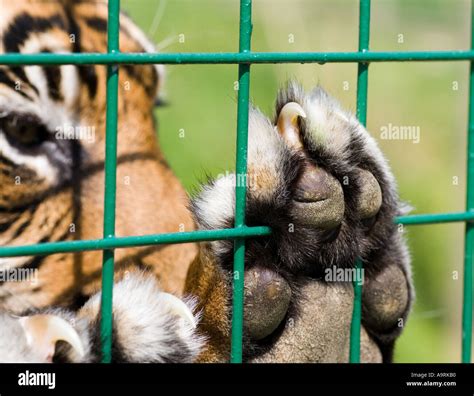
[287, 124]
[43, 331]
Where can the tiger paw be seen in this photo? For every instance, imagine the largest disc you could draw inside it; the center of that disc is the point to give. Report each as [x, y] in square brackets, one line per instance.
[317, 178]
[319, 181]
[149, 326]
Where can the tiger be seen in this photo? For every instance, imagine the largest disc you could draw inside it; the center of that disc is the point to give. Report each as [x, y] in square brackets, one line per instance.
[317, 178]
[163, 330]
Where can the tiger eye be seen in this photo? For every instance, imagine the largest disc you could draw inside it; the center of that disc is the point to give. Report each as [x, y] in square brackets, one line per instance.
[26, 130]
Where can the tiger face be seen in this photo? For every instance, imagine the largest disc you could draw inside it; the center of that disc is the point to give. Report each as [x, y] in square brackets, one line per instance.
[46, 111]
[52, 149]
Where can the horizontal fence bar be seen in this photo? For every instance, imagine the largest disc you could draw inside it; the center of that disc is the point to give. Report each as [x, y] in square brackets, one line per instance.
[233, 57]
[435, 218]
[132, 241]
[193, 236]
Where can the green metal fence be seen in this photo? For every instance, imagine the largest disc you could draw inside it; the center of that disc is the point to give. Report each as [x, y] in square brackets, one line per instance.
[244, 58]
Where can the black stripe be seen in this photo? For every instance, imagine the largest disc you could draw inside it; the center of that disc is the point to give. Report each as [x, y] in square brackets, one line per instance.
[6, 80]
[24, 25]
[149, 85]
[64, 236]
[8, 209]
[20, 229]
[20, 208]
[14, 218]
[88, 77]
[96, 23]
[4, 227]
[19, 72]
[7, 224]
[53, 79]
[18, 32]
[87, 74]
[100, 24]
[35, 263]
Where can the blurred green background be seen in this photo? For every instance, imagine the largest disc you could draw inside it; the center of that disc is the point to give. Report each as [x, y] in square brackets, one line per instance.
[197, 129]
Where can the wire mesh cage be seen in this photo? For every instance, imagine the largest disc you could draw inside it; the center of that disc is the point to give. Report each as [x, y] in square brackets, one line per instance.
[244, 58]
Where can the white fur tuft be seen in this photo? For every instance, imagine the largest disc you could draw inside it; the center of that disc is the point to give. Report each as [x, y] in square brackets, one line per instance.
[147, 327]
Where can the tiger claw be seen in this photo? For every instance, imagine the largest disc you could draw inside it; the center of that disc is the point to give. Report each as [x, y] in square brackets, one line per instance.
[287, 124]
[179, 308]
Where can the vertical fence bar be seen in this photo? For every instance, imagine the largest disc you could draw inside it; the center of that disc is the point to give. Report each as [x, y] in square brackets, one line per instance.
[354, 351]
[241, 182]
[113, 29]
[362, 86]
[469, 238]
